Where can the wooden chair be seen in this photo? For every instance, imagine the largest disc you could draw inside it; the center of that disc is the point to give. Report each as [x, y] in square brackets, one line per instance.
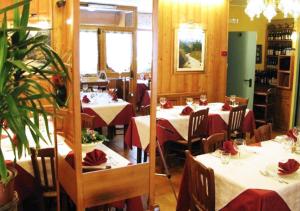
[198, 123]
[145, 110]
[263, 133]
[214, 142]
[201, 181]
[87, 121]
[240, 100]
[45, 178]
[235, 123]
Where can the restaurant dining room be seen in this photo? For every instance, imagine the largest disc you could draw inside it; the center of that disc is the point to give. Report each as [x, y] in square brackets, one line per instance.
[149, 105]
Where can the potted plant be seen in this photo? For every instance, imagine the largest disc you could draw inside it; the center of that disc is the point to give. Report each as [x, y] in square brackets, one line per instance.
[21, 94]
[91, 137]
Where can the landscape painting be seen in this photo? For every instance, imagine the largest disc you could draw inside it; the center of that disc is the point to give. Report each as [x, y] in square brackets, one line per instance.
[190, 49]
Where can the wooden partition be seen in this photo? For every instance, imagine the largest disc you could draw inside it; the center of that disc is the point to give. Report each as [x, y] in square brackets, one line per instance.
[212, 16]
[99, 187]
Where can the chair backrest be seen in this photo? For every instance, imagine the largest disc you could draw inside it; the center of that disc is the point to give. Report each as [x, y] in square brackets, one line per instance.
[201, 184]
[240, 100]
[214, 142]
[45, 178]
[198, 124]
[145, 110]
[263, 133]
[87, 121]
[236, 118]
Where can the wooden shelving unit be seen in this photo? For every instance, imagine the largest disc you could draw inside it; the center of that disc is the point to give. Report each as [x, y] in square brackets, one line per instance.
[279, 64]
[263, 105]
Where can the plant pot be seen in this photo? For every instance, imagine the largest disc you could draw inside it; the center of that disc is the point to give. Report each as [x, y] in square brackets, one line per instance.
[7, 190]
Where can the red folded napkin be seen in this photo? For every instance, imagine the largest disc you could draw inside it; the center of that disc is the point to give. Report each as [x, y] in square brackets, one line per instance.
[114, 97]
[226, 107]
[187, 111]
[203, 103]
[94, 158]
[288, 167]
[228, 147]
[70, 159]
[85, 99]
[290, 134]
[168, 105]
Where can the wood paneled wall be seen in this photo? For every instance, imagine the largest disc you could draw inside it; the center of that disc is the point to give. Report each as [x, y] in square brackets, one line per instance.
[213, 16]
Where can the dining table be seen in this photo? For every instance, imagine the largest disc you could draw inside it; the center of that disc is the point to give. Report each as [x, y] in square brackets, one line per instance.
[172, 125]
[107, 111]
[29, 191]
[251, 180]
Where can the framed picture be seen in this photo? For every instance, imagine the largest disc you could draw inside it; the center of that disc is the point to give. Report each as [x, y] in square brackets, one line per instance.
[189, 49]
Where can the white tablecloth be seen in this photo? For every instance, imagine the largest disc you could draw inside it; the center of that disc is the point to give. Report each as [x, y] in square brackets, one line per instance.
[179, 122]
[104, 106]
[244, 173]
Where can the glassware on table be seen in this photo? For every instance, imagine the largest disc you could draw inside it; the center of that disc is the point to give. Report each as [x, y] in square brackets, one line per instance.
[162, 101]
[189, 101]
[85, 87]
[225, 157]
[232, 99]
[237, 143]
[203, 98]
[287, 144]
[95, 88]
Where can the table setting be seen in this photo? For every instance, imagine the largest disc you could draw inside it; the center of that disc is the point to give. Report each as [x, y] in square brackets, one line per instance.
[263, 176]
[176, 118]
[108, 109]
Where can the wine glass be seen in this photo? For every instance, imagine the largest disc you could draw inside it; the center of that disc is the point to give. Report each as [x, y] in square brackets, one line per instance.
[189, 101]
[95, 88]
[203, 99]
[232, 100]
[162, 101]
[85, 87]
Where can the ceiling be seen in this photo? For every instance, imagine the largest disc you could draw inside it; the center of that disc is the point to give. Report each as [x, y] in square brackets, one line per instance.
[144, 6]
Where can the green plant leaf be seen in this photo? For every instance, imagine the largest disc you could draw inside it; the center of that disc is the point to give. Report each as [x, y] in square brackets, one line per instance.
[13, 6]
[3, 169]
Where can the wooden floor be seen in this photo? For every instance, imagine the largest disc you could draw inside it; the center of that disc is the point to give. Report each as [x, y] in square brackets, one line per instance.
[164, 195]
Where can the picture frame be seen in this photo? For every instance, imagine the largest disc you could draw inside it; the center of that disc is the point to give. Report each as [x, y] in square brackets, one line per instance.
[190, 47]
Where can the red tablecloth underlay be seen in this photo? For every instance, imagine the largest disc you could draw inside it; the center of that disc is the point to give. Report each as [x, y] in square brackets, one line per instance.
[146, 99]
[215, 124]
[29, 191]
[123, 118]
[141, 89]
[249, 200]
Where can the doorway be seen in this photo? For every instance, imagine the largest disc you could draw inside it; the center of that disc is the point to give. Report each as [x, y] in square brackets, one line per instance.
[241, 65]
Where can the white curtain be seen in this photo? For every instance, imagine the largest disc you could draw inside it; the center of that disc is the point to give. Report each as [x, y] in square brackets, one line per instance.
[144, 51]
[88, 52]
[119, 51]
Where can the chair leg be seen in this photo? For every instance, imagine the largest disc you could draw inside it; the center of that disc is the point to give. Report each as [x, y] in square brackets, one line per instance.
[138, 155]
[145, 157]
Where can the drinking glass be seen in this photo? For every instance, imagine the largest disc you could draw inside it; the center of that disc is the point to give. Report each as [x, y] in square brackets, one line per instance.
[85, 87]
[189, 101]
[237, 143]
[232, 100]
[203, 98]
[162, 101]
[95, 88]
[225, 157]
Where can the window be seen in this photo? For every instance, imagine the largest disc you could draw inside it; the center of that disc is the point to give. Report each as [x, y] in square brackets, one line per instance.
[144, 51]
[88, 52]
[119, 51]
